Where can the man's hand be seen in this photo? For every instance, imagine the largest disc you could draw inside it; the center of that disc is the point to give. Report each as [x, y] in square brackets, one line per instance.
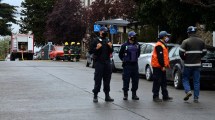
[99, 45]
[163, 69]
[110, 44]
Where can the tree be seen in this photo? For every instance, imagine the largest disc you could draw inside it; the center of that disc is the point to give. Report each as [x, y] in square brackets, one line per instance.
[65, 23]
[108, 9]
[7, 14]
[4, 47]
[176, 20]
[203, 3]
[35, 17]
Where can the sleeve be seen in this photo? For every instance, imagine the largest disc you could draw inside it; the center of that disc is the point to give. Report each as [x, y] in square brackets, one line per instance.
[121, 52]
[138, 50]
[182, 50]
[160, 55]
[204, 50]
[111, 49]
[93, 47]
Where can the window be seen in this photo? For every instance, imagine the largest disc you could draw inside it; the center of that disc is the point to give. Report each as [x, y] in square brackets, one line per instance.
[176, 52]
[143, 47]
[149, 49]
[172, 51]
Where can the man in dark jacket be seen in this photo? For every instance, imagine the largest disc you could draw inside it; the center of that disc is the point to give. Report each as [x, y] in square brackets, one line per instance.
[129, 53]
[191, 51]
[101, 48]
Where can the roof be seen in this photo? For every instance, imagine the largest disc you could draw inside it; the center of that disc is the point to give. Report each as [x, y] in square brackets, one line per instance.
[118, 22]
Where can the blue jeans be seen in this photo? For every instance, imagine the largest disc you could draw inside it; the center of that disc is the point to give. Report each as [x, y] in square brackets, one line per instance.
[195, 73]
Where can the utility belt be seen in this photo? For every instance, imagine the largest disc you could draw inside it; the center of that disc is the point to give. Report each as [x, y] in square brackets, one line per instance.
[129, 63]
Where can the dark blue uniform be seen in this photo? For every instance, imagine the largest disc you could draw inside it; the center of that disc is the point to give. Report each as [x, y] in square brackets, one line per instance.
[129, 54]
[102, 65]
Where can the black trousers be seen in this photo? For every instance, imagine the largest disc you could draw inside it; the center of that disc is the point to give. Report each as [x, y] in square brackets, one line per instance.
[159, 81]
[130, 71]
[103, 72]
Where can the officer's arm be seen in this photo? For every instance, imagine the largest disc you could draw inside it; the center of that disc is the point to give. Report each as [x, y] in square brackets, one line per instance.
[138, 51]
[204, 50]
[93, 47]
[121, 52]
[111, 49]
[182, 50]
[160, 55]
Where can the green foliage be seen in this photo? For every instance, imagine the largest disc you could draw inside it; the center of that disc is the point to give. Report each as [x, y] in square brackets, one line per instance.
[7, 13]
[35, 16]
[4, 48]
[65, 23]
[174, 16]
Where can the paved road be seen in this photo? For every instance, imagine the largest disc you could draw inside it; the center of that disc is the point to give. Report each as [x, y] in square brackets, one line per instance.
[47, 90]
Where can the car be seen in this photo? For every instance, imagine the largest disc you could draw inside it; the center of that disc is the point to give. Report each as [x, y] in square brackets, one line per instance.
[115, 57]
[57, 53]
[7, 57]
[36, 55]
[207, 70]
[144, 61]
[89, 60]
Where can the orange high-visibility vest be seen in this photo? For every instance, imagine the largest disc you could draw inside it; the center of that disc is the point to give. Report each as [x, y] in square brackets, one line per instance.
[154, 60]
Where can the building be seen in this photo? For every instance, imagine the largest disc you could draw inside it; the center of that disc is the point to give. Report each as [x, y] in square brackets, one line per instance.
[87, 2]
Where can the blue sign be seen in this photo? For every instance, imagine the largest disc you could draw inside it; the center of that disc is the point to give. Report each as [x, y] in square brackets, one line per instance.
[97, 28]
[113, 29]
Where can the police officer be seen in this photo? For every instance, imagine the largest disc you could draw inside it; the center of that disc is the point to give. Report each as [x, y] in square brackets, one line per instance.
[77, 51]
[66, 51]
[72, 51]
[191, 51]
[159, 62]
[129, 53]
[101, 48]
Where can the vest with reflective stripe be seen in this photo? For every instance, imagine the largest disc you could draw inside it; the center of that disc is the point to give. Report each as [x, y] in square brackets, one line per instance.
[154, 61]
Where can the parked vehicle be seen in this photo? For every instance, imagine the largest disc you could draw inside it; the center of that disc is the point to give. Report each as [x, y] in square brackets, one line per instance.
[115, 56]
[57, 53]
[37, 55]
[144, 61]
[174, 73]
[7, 57]
[89, 60]
[22, 46]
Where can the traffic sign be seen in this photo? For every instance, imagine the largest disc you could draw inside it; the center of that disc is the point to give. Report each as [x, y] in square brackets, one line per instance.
[97, 28]
[113, 29]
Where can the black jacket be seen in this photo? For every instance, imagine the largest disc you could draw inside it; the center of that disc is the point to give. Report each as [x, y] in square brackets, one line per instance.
[192, 50]
[102, 54]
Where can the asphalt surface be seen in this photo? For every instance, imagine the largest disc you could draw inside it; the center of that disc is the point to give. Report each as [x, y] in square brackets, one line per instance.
[50, 90]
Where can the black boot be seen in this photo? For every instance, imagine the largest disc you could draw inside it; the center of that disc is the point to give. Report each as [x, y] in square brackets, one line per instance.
[108, 98]
[95, 98]
[134, 96]
[125, 95]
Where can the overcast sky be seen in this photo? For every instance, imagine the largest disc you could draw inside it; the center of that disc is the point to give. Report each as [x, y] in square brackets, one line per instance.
[18, 4]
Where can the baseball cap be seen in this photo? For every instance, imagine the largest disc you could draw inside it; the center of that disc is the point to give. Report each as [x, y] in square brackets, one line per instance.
[163, 34]
[103, 29]
[191, 29]
[131, 34]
